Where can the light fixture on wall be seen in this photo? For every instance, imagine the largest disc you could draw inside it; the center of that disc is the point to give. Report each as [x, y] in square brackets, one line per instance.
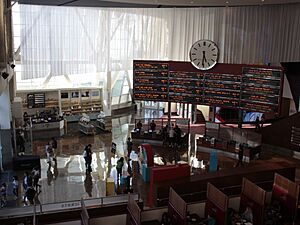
[12, 66]
[5, 75]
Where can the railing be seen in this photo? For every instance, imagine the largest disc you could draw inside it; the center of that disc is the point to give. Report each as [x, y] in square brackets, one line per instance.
[63, 206]
[34, 213]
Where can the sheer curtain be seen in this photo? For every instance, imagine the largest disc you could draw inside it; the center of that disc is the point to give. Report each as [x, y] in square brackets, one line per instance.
[70, 40]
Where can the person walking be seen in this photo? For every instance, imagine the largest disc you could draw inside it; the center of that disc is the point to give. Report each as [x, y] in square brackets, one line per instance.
[27, 181]
[129, 146]
[49, 152]
[87, 155]
[30, 195]
[15, 185]
[54, 147]
[36, 177]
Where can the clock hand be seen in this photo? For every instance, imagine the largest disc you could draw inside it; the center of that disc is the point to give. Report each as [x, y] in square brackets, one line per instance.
[204, 56]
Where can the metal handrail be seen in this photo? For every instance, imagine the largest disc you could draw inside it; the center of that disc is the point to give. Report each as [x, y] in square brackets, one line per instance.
[64, 206]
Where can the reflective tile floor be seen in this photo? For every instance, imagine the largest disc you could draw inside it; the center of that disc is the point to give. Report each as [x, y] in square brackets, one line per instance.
[66, 180]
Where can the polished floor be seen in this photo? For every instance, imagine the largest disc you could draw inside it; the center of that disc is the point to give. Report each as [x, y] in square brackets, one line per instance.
[66, 179]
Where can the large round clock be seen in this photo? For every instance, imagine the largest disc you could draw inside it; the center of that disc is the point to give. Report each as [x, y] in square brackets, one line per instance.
[204, 54]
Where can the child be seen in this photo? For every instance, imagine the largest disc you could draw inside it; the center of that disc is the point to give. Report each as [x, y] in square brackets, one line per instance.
[15, 186]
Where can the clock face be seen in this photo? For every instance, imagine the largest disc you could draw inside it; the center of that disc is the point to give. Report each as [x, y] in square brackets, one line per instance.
[204, 54]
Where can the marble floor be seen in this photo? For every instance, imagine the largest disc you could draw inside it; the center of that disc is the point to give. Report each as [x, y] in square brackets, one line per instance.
[66, 179]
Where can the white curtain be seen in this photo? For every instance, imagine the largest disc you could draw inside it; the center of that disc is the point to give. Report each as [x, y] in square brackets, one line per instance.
[70, 40]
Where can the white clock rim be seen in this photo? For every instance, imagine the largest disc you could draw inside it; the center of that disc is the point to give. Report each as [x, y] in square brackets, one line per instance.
[207, 68]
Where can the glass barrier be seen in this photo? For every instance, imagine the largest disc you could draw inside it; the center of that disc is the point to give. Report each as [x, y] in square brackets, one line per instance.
[63, 206]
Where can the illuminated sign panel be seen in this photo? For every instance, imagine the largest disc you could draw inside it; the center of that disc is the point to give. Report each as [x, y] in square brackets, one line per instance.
[254, 89]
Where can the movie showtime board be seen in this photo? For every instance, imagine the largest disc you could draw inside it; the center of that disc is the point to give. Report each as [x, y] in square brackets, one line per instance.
[247, 87]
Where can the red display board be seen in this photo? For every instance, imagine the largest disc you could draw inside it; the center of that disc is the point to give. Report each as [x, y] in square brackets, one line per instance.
[163, 173]
[248, 87]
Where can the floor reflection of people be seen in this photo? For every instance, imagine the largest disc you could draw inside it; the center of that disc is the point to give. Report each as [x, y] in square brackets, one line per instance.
[49, 175]
[88, 184]
[55, 170]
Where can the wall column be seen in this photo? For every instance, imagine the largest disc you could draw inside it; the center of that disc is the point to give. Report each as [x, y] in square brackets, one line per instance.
[6, 149]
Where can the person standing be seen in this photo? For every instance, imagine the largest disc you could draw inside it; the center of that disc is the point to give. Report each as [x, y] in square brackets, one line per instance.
[240, 155]
[119, 167]
[88, 158]
[134, 159]
[171, 137]
[20, 142]
[178, 133]
[36, 177]
[165, 134]
[15, 184]
[139, 126]
[152, 126]
[129, 146]
[257, 123]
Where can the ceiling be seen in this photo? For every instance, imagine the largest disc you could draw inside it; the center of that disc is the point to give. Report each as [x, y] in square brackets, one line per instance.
[155, 3]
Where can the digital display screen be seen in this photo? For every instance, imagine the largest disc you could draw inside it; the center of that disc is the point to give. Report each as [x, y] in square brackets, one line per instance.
[252, 89]
[196, 99]
[36, 100]
[150, 81]
[260, 90]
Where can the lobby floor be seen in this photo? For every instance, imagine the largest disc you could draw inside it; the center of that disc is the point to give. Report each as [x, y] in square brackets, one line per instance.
[66, 180]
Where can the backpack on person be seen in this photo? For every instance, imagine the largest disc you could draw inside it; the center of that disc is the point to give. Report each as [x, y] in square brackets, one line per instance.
[84, 154]
[119, 164]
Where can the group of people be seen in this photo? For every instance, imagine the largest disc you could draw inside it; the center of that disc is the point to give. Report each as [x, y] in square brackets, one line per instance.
[172, 136]
[152, 126]
[124, 172]
[30, 184]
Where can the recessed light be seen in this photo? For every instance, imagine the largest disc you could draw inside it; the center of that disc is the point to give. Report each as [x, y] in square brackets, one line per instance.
[227, 2]
[192, 2]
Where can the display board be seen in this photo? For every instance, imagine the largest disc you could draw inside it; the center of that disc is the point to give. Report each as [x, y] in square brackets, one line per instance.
[36, 100]
[151, 81]
[253, 88]
[260, 89]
